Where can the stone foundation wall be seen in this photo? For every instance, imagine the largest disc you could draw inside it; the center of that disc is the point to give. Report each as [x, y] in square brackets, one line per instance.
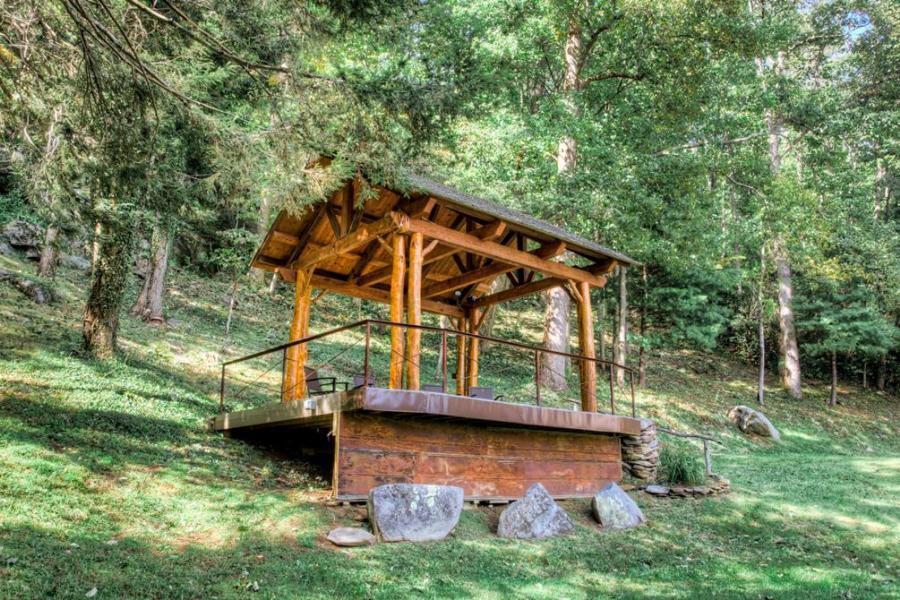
[640, 453]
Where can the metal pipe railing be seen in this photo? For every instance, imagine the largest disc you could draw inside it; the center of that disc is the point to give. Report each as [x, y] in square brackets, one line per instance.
[460, 335]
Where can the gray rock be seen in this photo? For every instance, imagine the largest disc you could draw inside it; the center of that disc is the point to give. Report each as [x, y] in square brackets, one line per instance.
[535, 516]
[75, 262]
[407, 512]
[350, 536]
[614, 509]
[21, 234]
[657, 490]
[753, 421]
[6, 249]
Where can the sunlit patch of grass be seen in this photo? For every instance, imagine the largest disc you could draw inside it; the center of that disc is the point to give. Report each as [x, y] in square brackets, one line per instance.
[94, 453]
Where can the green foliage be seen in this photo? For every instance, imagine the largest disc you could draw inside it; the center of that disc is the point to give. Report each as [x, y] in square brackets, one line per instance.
[681, 463]
[840, 317]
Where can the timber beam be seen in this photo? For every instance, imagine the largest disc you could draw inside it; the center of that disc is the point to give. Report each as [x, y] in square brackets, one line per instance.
[501, 253]
[363, 235]
[533, 287]
[370, 293]
[489, 272]
[483, 233]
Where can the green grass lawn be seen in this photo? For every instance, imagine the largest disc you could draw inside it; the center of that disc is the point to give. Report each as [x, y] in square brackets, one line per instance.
[109, 480]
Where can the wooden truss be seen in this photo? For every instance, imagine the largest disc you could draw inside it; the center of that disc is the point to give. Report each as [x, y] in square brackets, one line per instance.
[423, 253]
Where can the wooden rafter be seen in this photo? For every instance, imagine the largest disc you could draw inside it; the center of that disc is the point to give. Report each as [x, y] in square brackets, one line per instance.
[362, 236]
[331, 284]
[501, 253]
[335, 225]
[485, 232]
[490, 271]
[533, 287]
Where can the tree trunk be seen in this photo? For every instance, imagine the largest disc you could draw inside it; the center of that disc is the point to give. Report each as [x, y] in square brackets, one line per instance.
[642, 359]
[621, 347]
[95, 246]
[790, 352]
[156, 290]
[761, 329]
[234, 287]
[556, 337]
[833, 400]
[882, 373]
[262, 227]
[865, 375]
[882, 190]
[556, 319]
[49, 252]
[101, 314]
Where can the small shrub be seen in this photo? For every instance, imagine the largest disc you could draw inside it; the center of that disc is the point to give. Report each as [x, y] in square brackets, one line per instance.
[681, 463]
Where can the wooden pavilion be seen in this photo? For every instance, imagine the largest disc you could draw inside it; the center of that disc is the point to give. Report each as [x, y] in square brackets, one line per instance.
[438, 250]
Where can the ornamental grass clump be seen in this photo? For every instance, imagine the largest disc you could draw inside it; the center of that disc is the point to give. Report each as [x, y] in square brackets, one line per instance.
[681, 463]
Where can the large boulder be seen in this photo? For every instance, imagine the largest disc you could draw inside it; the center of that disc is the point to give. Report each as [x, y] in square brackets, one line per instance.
[22, 235]
[614, 509]
[753, 421]
[407, 512]
[535, 516]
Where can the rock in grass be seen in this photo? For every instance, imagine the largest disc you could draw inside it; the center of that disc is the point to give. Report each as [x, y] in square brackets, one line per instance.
[407, 512]
[753, 421]
[535, 516]
[350, 536]
[614, 509]
[657, 490]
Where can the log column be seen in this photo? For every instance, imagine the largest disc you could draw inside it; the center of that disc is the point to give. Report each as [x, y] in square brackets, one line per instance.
[414, 311]
[461, 343]
[473, 320]
[398, 272]
[295, 357]
[586, 342]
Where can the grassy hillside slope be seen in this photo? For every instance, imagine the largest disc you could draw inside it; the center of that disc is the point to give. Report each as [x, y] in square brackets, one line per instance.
[108, 480]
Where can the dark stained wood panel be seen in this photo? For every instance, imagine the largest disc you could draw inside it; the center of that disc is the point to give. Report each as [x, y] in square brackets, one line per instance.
[487, 462]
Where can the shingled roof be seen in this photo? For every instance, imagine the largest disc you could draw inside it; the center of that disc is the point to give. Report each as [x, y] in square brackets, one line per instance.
[536, 227]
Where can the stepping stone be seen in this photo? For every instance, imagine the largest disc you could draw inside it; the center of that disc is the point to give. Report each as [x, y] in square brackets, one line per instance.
[350, 536]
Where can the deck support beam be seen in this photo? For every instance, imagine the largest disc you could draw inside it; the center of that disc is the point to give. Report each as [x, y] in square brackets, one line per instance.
[586, 342]
[414, 311]
[294, 377]
[398, 272]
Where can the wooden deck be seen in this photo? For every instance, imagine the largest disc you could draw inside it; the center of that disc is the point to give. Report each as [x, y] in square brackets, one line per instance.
[493, 450]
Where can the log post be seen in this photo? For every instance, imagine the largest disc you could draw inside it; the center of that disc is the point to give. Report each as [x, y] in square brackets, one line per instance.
[461, 342]
[586, 341]
[414, 311]
[398, 271]
[294, 377]
[474, 321]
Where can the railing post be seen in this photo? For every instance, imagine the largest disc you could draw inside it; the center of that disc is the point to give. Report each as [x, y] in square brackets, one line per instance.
[443, 361]
[222, 392]
[366, 357]
[537, 377]
[631, 381]
[612, 391]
